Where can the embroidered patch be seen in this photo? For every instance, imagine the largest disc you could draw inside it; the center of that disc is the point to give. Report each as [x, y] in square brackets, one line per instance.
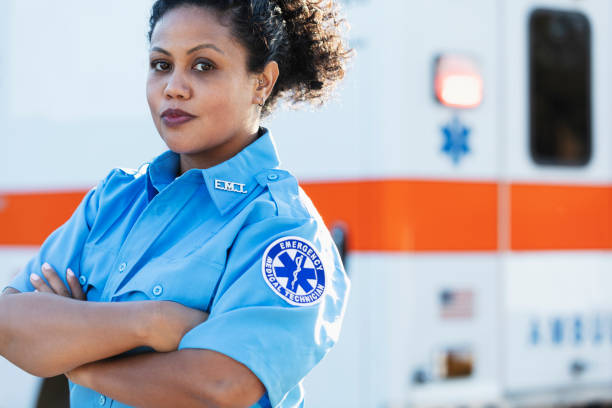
[230, 186]
[293, 269]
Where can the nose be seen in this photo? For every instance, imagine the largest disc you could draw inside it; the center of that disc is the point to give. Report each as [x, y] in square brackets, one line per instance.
[177, 87]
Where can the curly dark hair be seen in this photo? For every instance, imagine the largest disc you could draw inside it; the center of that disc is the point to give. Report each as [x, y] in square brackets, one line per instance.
[304, 37]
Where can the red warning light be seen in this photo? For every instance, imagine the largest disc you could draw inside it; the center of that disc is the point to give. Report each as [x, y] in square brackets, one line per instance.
[458, 82]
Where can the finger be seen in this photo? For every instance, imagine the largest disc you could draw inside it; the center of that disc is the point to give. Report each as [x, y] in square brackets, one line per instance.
[39, 284]
[75, 285]
[54, 280]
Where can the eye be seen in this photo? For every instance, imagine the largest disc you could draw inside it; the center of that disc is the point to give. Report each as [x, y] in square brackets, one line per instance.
[160, 65]
[203, 66]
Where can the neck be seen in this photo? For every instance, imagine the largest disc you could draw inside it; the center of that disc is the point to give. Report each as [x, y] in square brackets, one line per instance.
[218, 154]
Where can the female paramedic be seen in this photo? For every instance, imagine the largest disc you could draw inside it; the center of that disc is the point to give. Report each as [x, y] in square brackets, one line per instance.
[205, 278]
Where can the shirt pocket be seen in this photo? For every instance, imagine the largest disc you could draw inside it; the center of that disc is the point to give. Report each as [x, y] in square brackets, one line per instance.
[191, 281]
[93, 270]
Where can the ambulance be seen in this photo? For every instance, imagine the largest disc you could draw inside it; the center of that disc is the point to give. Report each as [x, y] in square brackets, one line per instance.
[464, 169]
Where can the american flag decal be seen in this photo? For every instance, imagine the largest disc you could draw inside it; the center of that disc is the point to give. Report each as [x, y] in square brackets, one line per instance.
[456, 304]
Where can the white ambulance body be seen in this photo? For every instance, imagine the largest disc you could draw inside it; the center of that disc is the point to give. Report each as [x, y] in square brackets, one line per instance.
[465, 164]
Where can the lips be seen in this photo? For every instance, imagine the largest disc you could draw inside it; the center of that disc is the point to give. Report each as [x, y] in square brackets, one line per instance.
[176, 117]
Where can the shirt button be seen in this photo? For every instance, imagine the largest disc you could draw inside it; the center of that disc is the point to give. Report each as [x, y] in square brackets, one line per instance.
[272, 177]
[82, 280]
[102, 400]
[157, 290]
[122, 267]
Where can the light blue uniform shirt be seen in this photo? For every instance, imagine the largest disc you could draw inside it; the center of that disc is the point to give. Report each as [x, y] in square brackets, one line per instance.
[240, 240]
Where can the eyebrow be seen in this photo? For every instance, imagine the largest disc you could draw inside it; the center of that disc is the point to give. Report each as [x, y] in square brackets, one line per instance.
[194, 49]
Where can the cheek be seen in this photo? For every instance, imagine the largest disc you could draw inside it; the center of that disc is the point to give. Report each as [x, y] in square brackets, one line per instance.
[219, 99]
[153, 94]
[149, 92]
[235, 97]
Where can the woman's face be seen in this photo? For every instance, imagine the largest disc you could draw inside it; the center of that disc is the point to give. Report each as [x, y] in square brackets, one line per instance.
[197, 67]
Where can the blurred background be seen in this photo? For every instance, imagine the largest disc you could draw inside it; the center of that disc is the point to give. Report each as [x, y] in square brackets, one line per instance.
[463, 168]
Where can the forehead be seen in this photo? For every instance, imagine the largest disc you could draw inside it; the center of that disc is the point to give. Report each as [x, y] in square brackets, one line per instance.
[188, 26]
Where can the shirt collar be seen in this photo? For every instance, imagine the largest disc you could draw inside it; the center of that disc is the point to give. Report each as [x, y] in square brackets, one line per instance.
[228, 182]
[162, 171]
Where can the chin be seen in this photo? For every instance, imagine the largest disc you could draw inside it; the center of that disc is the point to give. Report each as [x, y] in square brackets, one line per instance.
[182, 149]
[181, 143]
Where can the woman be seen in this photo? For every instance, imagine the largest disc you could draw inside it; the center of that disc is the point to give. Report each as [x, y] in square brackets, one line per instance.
[210, 279]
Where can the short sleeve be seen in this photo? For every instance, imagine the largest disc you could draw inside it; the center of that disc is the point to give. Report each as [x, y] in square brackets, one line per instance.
[62, 249]
[279, 305]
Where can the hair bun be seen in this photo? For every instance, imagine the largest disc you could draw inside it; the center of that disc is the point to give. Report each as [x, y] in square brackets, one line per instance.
[318, 53]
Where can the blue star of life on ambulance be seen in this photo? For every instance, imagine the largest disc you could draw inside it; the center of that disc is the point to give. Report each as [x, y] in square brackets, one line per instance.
[455, 139]
[293, 270]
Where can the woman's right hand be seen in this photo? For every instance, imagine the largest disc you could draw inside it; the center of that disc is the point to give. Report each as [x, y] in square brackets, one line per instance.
[170, 323]
[56, 285]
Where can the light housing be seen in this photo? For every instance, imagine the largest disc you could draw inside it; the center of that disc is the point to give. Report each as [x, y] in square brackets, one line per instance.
[457, 81]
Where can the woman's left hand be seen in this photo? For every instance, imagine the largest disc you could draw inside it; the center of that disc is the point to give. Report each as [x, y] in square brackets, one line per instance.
[56, 285]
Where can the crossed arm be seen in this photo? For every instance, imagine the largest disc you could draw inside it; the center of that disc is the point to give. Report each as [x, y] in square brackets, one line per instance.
[46, 335]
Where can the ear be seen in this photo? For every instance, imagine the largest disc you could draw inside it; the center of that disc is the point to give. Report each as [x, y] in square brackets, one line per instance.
[264, 83]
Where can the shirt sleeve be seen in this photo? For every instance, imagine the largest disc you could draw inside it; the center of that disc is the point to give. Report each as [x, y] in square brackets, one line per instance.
[62, 249]
[279, 305]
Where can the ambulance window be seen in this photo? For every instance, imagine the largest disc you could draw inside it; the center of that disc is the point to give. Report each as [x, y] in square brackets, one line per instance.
[560, 87]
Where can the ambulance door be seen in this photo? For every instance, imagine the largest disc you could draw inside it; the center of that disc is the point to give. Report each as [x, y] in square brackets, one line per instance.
[557, 320]
[443, 289]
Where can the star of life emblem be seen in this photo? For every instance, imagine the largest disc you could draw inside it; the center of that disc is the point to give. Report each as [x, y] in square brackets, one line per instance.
[456, 143]
[293, 269]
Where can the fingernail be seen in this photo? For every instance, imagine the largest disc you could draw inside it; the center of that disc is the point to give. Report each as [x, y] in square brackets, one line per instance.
[46, 266]
[34, 277]
[70, 273]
